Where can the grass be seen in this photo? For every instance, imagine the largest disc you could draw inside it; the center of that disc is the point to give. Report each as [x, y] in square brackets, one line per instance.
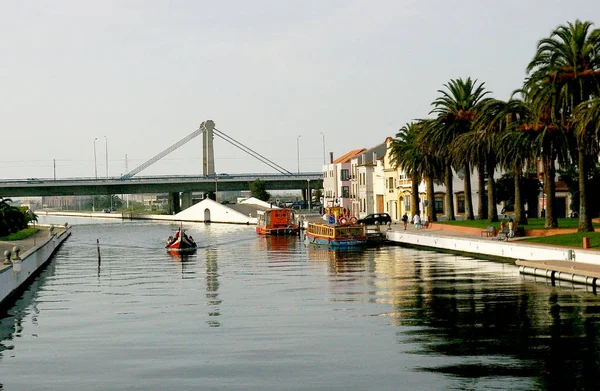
[22, 234]
[535, 223]
[570, 240]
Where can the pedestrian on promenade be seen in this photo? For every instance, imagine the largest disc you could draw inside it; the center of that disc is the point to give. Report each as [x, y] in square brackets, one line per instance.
[404, 220]
[511, 228]
[417, 221]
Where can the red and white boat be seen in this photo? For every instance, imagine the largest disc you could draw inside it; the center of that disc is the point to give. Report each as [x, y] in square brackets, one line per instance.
[180, 242]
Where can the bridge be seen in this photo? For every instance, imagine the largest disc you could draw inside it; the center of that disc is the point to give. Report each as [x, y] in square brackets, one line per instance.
[179, 188]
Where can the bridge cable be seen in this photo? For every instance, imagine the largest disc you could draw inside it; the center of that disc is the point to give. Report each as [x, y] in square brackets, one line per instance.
[251, 152]
[162, 154]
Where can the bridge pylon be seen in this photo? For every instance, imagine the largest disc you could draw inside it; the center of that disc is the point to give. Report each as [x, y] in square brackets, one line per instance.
[208, 152]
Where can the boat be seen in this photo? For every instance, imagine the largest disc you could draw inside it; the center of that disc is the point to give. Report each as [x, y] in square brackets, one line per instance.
[276, 222]
[180, 242]
[336, 232]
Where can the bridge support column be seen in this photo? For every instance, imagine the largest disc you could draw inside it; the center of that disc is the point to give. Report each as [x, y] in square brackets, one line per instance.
[186, 200]
[208, 153]
[174, 206]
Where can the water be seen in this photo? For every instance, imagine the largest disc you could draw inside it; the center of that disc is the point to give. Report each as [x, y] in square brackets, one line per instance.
[255, 313]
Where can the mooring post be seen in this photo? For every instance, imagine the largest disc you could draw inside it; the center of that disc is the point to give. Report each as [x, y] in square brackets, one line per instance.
[98, 247]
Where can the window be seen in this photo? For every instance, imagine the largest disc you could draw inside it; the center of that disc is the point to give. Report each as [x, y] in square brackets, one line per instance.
[406, 202]
[345, 175]
[460, 203]
[439, 204]
[324, 174]
[390, 183]
[345, 192]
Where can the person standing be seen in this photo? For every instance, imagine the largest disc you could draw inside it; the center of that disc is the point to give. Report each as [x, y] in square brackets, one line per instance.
[417, 221]
[511, 228]
[404, 220]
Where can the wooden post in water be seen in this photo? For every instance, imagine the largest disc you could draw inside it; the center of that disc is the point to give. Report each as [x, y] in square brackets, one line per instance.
[98, 247]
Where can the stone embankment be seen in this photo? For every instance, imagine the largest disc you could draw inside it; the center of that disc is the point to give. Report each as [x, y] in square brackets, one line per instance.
[565, 263]
[23, 259]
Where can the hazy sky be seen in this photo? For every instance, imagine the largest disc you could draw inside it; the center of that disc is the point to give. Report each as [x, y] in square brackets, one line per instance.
[146, 73]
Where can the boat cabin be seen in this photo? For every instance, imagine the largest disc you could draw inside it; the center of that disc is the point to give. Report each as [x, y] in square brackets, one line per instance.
[276, 222]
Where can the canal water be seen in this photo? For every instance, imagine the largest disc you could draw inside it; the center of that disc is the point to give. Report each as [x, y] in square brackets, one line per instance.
[254, 313]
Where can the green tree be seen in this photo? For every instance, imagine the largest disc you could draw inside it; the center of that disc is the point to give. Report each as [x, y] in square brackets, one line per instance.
[565, 71]
[406, 154]
[258, 189]
[455, 111]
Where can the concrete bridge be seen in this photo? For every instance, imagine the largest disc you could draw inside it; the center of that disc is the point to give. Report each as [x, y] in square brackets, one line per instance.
[179, 188]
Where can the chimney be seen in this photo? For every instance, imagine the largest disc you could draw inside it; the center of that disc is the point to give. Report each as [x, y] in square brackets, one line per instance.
[330, 157]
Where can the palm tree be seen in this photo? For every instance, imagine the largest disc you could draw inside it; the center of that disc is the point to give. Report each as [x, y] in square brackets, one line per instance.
[455, 110]
[566, 72]
[405, 153]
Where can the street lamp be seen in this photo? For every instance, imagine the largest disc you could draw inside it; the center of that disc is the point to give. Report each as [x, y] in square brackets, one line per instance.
[95, 163]
[298, 150]
[95, 174]
[323, 136]
[308, 195]
[106, 150]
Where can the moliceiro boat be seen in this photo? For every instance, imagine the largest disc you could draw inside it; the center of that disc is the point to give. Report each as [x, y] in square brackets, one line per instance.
[276, 222]
[336, 233]
[180, 242]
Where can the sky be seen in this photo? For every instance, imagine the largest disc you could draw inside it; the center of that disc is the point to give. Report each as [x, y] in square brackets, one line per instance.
[291, 80]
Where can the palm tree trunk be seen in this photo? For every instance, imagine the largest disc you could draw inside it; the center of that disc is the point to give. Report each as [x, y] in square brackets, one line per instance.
[481, 209]
[520, 217]
[414, 197]
[431, 215]
[549, 190]
[491, 192]
[468, 193]
[449, 194]
[585, 220]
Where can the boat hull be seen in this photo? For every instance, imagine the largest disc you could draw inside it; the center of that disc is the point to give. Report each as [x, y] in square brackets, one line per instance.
[277, 231]
[336, 243]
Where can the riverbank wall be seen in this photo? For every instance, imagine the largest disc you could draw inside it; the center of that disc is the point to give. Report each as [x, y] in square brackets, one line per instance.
[15, 276]
[490, 247]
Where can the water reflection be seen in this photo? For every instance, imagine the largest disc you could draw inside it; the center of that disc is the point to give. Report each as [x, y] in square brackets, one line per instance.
[464, 313]
[212, 286]
[340, 261]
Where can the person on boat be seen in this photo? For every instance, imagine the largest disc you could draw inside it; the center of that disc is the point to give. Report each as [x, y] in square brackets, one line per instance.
[169, 241]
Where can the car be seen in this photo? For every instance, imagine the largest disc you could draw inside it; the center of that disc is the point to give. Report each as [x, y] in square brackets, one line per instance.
[375, 219]
[106, 210]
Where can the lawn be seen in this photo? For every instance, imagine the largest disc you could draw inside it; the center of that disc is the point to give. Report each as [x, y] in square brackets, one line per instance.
[536, 223]
[22, 234]
[571, 240]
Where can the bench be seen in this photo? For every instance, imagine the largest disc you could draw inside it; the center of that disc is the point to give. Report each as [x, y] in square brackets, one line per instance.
[490, 231]
[503, 235]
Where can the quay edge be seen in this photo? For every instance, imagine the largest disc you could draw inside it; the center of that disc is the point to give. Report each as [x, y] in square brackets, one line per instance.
[33, 260]
[574, 265]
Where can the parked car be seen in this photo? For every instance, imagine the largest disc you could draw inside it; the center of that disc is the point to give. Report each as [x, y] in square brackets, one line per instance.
[106, 210]
[375, 219]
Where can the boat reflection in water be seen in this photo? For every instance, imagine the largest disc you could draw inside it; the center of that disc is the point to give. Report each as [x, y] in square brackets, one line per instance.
[340, 260]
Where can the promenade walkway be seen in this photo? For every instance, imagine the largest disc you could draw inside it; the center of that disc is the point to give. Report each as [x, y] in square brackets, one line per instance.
[561, 262]
[25, 244]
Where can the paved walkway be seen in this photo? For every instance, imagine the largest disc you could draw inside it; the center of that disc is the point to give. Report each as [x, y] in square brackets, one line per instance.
[24, 244]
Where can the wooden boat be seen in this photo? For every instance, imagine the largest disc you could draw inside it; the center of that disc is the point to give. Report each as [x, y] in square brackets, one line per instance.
[276, 222]
[180, 242]
[338, 233]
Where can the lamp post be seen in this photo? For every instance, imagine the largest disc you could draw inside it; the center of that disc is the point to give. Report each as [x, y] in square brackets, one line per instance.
[308, 195]
[323, 137]
[95, 162]
[298, 151]
[95, 174]
[106, 154]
